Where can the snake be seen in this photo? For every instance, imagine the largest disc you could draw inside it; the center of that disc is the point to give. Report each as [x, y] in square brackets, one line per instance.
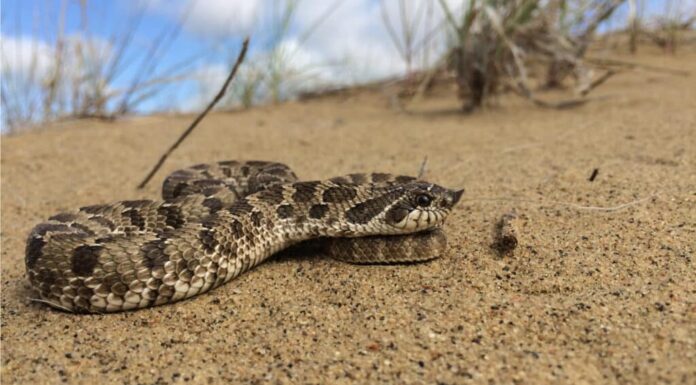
[216, 221]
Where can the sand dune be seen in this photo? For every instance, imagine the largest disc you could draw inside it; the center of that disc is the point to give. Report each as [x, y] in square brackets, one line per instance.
[590, 295]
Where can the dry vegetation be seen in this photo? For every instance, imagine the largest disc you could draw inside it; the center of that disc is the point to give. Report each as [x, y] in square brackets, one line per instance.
[82, 75]
[570, 259]
[523, 46]
[491, 46]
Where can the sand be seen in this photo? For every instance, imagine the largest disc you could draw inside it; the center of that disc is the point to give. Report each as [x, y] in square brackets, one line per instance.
[589, 296]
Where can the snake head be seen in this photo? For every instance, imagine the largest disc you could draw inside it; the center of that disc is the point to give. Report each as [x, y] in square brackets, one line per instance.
[422, 206]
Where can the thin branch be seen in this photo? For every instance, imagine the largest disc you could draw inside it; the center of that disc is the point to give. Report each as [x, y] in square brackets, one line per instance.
[423, 167]
[150, 62]
[392, 32]
[200, 117]
[521, 89]
[319, 21]
[597, 82]
[610, 62]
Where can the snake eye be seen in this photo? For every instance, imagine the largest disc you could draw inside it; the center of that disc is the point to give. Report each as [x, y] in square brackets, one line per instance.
[423, 200]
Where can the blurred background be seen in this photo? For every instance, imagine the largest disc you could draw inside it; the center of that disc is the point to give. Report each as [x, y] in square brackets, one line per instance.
[106, 59]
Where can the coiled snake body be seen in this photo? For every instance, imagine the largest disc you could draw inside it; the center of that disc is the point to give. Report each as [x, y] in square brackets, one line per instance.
[218, 221]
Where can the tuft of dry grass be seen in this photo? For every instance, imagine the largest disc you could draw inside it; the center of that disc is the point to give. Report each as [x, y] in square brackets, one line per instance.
[500, 45]
[83, 77]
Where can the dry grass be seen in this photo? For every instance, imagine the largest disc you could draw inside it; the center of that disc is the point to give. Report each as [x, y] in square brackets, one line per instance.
[499, 44]
[84, 75]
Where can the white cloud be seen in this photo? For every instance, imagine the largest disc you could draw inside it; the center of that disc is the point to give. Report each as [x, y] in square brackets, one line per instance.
[350, 39]
[213, 18]
[355, 34]
[24, 56]
[336, 42]
[351, 36]
[33, 69]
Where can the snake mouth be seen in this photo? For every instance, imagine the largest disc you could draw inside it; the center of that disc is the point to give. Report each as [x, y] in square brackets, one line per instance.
[418, 220]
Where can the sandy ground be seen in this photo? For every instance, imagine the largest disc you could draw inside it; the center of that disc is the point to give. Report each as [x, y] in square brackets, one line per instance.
[589, 296]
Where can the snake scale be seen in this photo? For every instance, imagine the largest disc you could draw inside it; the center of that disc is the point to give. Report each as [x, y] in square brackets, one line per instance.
[219, 220]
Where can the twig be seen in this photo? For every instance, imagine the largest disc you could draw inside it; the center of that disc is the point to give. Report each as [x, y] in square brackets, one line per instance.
[200, 117]
[506, 233]
[428, 80]
[629, 64]
[597, 82]
[595, 172]
[43, 301]
[423, 166]
[522, 90]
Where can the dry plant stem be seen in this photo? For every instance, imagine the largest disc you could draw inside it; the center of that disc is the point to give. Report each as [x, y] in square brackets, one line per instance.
[423, 167]
[597, 82]
[521, 89]
[200, 117]
[507, 233]
[615, 62]
[594, 174]
[428, 79]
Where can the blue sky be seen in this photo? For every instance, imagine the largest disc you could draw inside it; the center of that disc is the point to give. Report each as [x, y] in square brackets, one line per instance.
[348, 43]
[211, 34]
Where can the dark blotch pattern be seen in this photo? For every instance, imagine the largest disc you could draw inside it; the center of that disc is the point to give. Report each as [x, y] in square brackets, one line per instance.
[153, 253]
[340, 180]
[276, 169]
[404, 179]
[172, 216]
[285, 211]
[318, 211]
[33, 250]
[358, 178]
[237, 229]
[304, 191]
[207, 235]
[365, 211]
[83, 229]
[94, 209]
[178, 189]
[207, 238]
[104, 222]
[63, 217]
[380, 177]
[241, 207]
[272, 195]
[396, 214]
[213, 204]
[210, 221]
[43, 228]
[338, 194]
[135, 218]
[136, 204]
[209, 191]
[47, 278]
[256, 218]
[84, 259]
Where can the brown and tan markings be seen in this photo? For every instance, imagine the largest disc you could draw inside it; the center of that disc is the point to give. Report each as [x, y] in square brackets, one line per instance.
[219, 220]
